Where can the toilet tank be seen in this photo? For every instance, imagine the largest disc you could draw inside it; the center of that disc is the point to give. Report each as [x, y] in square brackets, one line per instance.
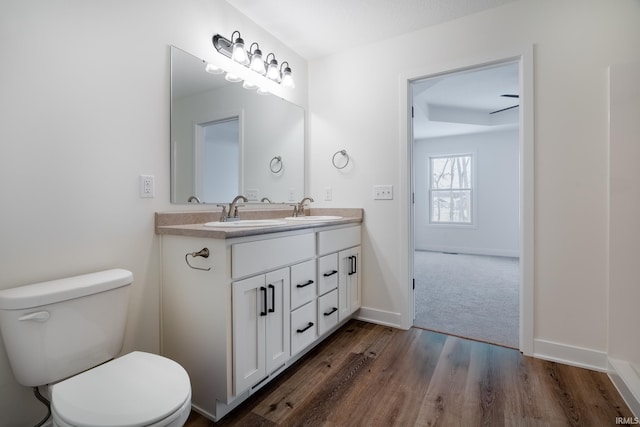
[54, 330]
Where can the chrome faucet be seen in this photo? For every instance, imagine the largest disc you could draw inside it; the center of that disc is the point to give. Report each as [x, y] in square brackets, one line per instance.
[232, 214]
[299, 209]
[193, 199]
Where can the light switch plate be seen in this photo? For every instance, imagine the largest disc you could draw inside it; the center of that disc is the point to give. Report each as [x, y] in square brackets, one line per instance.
[383, 192]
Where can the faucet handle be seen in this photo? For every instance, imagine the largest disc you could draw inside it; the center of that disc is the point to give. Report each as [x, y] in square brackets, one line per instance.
[223, 215]
[295, 210]
[235, 210]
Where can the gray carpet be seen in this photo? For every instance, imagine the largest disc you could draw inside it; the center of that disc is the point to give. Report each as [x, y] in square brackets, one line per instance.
[471, 296]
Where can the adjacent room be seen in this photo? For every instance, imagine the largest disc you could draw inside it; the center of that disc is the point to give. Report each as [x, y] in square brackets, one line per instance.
[466, 177]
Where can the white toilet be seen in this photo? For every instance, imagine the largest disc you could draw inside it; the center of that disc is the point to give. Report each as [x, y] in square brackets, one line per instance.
[61, 333]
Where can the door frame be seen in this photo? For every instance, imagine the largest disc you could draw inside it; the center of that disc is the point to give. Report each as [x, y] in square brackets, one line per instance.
[525, 58]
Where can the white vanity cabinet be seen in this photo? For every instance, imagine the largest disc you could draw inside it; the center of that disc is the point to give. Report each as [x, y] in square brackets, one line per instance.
[238, 318]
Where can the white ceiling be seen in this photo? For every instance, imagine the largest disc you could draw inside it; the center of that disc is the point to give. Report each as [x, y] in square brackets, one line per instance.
[462, 103]
[447, 105]
[316, 28]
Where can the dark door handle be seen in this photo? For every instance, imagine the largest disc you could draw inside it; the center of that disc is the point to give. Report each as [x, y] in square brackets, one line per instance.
[331, 273]
[304, 285]
[305, 328]
[333, 310]
[263, 291]
[273, 299]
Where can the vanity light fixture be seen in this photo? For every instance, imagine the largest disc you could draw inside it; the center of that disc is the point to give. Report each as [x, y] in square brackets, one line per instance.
[251, 59]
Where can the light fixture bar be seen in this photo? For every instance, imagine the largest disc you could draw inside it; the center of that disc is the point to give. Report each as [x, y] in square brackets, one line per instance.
[253, 60]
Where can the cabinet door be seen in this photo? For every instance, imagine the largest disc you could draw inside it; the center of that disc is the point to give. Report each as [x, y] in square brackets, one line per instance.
[349, 289]
[278, 344]
[355, 290]
[249, 318]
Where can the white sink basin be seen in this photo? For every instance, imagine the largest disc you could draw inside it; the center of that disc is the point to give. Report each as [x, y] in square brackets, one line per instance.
[246, 223]
[314, 218]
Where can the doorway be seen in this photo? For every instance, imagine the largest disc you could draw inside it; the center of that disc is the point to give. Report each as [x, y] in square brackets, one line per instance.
[466, 161]
[217, 159]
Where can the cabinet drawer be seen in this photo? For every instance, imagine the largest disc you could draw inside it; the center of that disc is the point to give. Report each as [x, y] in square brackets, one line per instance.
[338, 239]
[327, 311]
[262, 255]
[327, 273]
[303, 283]
[303, 327]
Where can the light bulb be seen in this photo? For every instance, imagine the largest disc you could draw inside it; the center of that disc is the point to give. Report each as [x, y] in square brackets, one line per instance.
[233, 78]
[213, 69]
[239, 54]
[249, 85]
[272, 71]
[257, 64]
[287, 80]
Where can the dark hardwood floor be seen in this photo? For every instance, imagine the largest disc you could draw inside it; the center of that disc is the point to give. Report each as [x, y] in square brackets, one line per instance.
[371, 375]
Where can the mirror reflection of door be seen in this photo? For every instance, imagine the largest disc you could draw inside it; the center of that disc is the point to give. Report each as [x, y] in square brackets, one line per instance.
[217, 159]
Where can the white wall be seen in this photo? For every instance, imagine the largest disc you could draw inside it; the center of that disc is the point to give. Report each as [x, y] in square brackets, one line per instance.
[84, 110]
[624, 230]
[354, 104]
[495, 230]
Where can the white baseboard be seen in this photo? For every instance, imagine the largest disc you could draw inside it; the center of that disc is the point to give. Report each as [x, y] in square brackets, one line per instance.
[471, 251]
[381, 317]
[627, 381]
[570, 355]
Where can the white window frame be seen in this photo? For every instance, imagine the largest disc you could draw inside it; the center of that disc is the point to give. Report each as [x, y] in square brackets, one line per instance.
[471, 189]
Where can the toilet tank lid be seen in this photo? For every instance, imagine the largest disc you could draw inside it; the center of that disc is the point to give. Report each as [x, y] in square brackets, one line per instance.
[54, 291]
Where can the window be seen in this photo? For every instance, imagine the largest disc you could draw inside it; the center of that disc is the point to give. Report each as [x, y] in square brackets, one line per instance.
[450, 189]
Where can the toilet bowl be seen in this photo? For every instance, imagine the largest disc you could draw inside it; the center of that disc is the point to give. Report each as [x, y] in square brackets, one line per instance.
[66, 334]
[138, 389]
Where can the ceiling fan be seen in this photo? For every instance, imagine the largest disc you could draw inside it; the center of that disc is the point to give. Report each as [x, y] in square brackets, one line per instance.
[508, 108]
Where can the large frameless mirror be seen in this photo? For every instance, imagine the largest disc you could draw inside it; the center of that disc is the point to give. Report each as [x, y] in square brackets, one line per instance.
[227, 140]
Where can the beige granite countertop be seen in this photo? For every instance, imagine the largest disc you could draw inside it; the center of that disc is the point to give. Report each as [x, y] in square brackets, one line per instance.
[192, 223]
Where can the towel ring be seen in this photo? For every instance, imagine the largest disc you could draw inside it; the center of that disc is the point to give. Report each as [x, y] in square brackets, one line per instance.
[273, 164]
[204, 253]
[333, 159]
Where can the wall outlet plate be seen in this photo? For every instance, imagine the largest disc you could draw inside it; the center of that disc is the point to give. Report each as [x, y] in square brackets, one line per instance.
[328, 194]
[147, 187]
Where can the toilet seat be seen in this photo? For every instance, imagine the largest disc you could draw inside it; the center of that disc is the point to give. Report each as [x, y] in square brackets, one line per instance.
[135, 390]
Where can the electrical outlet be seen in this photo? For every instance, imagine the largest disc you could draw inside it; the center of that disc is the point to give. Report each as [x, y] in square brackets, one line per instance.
[147, 187]
[383, 192]
[328, 194]
[292, 194]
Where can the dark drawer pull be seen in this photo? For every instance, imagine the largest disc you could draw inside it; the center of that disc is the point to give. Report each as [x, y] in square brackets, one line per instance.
[331, 273]
[333, 310]
[304, 285]
[305, 328]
